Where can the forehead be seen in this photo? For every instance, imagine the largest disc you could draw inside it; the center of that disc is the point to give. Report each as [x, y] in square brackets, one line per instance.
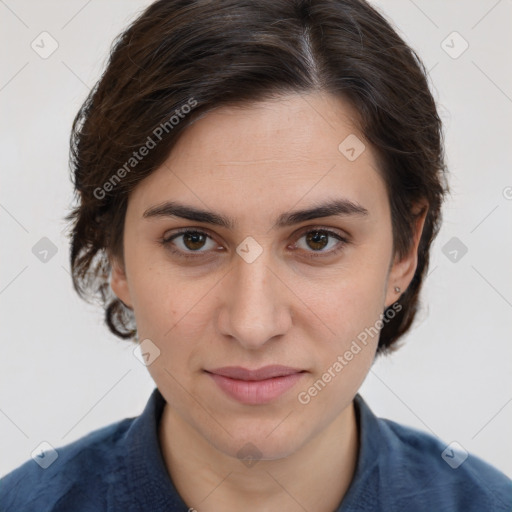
[283, 152]
[286, 128]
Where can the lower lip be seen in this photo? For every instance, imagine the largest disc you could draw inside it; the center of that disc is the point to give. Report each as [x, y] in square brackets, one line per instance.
[256, 391]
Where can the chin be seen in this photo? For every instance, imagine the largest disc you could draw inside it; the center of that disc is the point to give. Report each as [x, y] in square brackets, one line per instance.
[252, 443]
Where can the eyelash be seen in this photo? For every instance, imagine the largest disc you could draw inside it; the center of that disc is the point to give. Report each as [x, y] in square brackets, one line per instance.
[166, 242]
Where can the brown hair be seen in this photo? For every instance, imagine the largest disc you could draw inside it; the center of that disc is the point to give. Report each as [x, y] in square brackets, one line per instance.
[181, 54]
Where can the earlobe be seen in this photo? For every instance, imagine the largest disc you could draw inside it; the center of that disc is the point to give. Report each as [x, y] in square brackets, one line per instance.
[402, 270]
[119, 283]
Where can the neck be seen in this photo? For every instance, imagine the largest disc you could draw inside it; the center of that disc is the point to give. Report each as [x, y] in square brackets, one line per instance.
[315, 477]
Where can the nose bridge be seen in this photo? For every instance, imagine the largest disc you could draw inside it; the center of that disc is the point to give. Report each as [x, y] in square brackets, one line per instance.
[253, 308]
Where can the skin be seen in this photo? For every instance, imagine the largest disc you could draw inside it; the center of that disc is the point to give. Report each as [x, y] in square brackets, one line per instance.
[253, 164]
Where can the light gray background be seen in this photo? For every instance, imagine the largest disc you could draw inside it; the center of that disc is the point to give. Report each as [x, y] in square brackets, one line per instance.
[62, 374]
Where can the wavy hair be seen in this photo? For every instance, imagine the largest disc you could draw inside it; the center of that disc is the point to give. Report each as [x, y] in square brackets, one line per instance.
[226, 52]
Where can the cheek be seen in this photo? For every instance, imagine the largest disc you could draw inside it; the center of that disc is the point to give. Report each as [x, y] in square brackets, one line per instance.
[347, 302]
[162, 293]
[172, 310]
[164, 308]
[342, 357]
[345, 324]
[351, 323]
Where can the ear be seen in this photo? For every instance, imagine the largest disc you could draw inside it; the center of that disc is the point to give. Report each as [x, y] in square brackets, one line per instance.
[119, 282]
[402, 271]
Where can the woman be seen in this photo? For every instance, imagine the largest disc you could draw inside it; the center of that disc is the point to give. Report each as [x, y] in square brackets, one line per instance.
[258, 186]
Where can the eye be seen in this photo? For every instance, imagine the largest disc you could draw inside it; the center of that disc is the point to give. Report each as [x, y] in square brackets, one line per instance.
[318, 239]
[193, 243]
[189, 242]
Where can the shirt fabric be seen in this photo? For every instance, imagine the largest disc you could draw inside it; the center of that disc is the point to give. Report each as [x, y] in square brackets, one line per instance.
[120, 467]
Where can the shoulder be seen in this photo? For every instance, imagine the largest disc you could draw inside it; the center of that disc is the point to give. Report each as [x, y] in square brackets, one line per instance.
[442, 475]
[79, 468]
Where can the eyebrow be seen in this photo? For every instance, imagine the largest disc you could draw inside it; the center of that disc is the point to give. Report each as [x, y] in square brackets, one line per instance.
[337, 207]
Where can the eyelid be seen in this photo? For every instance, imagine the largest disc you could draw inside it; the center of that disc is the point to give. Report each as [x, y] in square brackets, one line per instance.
[299, 232]
[192, 229]
[330, 230]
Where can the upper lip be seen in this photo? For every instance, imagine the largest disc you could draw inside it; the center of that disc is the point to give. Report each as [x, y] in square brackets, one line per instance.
[265, 372]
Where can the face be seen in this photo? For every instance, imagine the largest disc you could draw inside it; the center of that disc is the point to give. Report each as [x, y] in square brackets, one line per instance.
[252, 286]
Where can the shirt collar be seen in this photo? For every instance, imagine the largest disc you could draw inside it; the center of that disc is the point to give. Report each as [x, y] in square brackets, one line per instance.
[362, 492]
[146, 484]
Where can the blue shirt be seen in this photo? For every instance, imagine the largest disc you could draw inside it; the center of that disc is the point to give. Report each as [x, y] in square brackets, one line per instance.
[120, 468]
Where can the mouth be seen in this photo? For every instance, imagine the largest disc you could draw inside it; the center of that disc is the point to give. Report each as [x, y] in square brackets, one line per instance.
[259, 386]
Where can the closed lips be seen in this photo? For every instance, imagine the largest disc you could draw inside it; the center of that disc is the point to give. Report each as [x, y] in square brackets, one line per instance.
[264, 373]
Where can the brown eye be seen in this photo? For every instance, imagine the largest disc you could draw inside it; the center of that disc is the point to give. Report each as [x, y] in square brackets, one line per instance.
[187, 242]
[317, 240]
[194, 240]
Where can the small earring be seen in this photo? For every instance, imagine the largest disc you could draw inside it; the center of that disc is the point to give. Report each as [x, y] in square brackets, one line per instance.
[397, 289]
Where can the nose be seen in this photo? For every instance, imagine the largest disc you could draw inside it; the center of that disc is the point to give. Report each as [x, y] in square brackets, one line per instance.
[255, 303]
